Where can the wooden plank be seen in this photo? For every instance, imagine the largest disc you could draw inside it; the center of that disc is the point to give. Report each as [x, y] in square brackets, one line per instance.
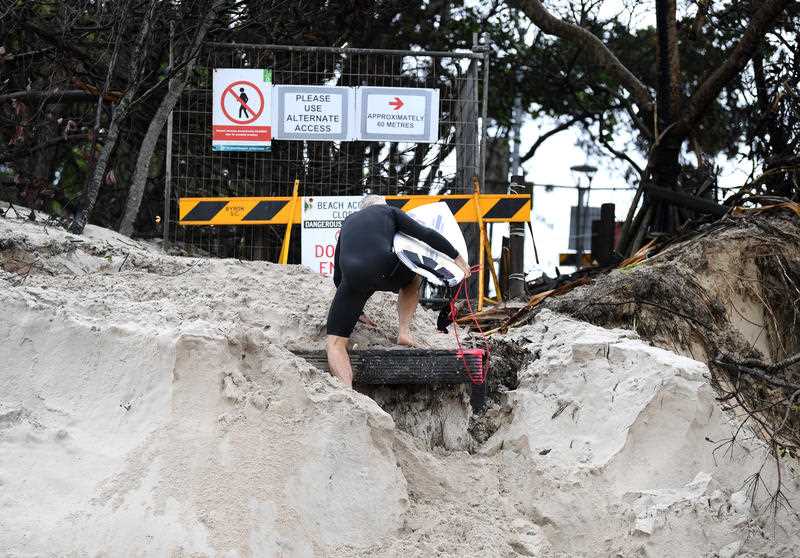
[701, 205]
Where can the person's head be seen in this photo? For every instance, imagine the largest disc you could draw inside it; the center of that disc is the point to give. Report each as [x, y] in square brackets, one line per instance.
[371, 199]
[241, 90]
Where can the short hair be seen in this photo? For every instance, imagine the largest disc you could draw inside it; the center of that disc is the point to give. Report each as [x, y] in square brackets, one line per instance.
[371, 199]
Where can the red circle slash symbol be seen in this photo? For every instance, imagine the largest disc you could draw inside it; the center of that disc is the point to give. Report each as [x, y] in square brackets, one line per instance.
[238, 99]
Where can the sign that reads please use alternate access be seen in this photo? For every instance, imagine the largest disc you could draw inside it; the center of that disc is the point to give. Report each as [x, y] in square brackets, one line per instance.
[322, 219]
[313, 112]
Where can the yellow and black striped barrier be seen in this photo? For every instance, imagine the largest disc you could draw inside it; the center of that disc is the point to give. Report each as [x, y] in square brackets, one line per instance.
[278, 210]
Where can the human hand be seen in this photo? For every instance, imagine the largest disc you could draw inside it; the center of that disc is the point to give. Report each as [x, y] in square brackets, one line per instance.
[459, 261]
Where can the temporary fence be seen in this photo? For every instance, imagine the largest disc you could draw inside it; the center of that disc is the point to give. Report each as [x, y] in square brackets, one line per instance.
[321, 167]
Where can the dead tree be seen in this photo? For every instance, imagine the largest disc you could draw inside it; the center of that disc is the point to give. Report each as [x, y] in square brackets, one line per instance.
[675, 118]
[148, 145]
[119, 113]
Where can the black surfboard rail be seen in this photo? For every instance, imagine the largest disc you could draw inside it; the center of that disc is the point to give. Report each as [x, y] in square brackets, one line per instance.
[414, 366]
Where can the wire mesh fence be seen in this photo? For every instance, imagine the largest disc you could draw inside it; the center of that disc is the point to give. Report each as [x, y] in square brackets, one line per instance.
[322, 167]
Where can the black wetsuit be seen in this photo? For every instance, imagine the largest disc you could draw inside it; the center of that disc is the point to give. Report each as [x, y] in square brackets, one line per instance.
[365, 262]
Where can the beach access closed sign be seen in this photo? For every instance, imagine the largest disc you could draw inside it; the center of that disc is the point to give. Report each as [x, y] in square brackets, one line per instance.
[309, 112]
[322, 218]
[242, 110]
[404, 114]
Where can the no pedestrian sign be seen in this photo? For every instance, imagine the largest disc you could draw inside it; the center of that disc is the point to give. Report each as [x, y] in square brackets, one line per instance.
[405, 114]
[242, 110]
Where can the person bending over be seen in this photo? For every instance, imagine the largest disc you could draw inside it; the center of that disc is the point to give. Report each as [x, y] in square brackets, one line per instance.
[364, 263]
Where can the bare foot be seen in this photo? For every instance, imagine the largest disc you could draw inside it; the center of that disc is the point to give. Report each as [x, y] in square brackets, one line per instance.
[406, 340]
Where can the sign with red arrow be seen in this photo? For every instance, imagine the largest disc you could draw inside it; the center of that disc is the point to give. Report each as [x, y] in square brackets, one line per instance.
[405, 114]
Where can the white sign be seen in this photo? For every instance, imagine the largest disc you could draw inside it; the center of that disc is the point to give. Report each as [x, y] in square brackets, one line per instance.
[242, 110]
[322, 220]
[398, 114]
[314, 112]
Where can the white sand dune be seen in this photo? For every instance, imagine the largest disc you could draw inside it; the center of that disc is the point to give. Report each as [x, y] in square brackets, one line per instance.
[150, 405]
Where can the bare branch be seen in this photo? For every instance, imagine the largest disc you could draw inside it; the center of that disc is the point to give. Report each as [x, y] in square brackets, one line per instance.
[547, 135]
[594, 49]
[735, 63]
[22, 152]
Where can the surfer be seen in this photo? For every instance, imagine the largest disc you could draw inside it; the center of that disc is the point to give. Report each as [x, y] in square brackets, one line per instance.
[365, 263]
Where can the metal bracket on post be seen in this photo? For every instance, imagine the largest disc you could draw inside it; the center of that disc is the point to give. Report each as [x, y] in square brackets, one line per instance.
[287, 236]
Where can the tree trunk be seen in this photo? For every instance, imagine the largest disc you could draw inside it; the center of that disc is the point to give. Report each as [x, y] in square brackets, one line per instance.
[150, 140]
[776, 146]
[93, 188]
[666, 163]
[120, 112]
[146, 150]
[466, 133]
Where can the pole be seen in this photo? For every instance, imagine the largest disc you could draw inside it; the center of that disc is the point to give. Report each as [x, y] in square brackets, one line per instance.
[484, 114]
[287, 235]
[516, 275]
[476, 193]
[579, 218]
[517, 128]
[168, 157]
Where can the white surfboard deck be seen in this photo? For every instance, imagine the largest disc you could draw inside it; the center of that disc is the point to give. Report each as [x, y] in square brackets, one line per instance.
[435, 266]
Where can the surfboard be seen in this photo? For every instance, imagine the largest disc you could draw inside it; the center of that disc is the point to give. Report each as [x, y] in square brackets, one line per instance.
[435, 266]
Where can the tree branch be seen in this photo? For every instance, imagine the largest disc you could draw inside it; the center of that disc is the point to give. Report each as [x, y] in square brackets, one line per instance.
[547, 135]
[22, 152]
[54, 96]
[727, 362]
[735, 63]
[594, 48]
[618, 154]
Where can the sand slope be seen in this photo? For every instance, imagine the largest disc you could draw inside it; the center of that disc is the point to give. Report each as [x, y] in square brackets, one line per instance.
[150, 406]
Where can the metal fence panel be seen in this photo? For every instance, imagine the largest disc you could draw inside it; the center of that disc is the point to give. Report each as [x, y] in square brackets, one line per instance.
[323, 167]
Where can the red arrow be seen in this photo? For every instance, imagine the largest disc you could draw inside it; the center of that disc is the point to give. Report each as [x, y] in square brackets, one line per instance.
[397, 103]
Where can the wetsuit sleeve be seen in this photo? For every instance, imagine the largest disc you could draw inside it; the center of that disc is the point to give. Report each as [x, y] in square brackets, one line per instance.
[409, 226]
[337, 272]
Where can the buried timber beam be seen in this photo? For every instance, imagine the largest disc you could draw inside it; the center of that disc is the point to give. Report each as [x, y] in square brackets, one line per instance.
[414, 366]
[686, 201]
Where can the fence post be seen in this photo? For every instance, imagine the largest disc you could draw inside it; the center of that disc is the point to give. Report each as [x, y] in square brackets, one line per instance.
[168, 157]
[603, 235]
[476, 193]
[484, 112]
[287, 236]
[516, 276]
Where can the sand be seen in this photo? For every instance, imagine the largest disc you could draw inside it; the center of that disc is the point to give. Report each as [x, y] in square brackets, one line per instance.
[151, 405]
